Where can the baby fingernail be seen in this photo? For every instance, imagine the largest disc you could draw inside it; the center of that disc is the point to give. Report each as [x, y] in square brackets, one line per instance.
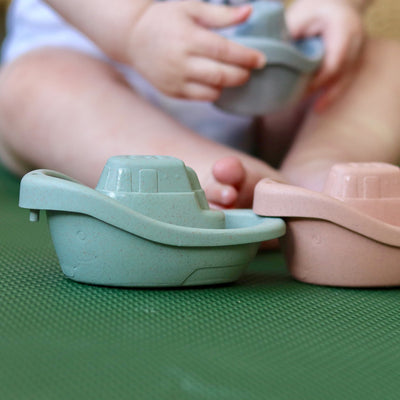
[226, 196]
[244, 8]
[262, 60]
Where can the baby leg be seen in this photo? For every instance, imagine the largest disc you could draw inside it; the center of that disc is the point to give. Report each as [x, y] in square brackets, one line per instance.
[63, 110]
[363, 124]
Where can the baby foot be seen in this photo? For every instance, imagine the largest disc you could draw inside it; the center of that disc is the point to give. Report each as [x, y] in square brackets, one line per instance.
[232, 183]
[233, 179]
[224, 185]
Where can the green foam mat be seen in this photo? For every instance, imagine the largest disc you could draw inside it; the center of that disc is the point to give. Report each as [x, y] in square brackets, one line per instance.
[264, 337]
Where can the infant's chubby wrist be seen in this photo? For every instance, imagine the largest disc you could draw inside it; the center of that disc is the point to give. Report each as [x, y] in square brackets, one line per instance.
[122, 51]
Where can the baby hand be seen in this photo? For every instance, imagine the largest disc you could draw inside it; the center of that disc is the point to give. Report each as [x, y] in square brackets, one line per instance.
[172, 46]
[340, 25]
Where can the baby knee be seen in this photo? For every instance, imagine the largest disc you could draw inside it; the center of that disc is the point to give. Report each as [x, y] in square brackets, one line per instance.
[41, 74]
[19, 80]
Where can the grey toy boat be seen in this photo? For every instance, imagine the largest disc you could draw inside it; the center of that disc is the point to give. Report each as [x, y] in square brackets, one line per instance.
[290, 63]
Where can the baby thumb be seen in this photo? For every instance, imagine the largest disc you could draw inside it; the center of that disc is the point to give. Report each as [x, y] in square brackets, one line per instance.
[218, 16]
[300, 23]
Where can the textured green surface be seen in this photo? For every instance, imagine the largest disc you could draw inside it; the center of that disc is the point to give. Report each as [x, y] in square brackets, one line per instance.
[266, 337]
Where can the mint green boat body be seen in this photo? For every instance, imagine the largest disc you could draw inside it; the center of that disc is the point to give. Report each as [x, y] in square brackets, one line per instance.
[147, 224]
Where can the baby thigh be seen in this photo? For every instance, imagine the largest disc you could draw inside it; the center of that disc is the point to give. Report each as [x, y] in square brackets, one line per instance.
[65, 110]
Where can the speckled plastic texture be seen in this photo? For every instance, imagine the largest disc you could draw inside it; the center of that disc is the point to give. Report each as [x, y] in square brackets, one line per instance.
[264, 337]
[348, 235]
[147, 224]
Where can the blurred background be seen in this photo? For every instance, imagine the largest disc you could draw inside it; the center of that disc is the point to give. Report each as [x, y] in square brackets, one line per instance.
[382, 18]
[3, 11]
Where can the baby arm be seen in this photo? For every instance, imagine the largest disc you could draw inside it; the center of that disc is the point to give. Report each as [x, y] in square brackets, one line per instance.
[169, 43]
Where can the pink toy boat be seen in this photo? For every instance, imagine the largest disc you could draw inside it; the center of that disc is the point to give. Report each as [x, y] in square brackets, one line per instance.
[349, 235]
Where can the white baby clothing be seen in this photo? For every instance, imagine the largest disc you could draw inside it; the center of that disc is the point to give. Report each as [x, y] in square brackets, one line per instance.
[32, 24]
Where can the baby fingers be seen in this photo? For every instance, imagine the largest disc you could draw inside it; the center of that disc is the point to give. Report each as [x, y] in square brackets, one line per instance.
[211, 45]
[215, 74]
[199, 92]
